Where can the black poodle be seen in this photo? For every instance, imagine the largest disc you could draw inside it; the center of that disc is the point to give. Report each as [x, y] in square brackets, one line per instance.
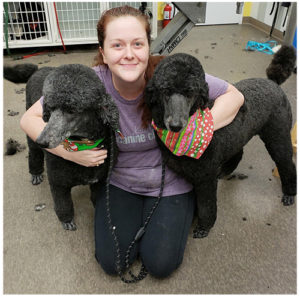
[178, 89]
[76, 107]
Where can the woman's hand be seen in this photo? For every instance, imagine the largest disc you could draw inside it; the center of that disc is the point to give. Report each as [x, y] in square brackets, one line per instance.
[87, 158]
[226, 107]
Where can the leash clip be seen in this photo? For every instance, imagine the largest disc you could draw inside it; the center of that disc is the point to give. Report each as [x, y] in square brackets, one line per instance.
[139, 234]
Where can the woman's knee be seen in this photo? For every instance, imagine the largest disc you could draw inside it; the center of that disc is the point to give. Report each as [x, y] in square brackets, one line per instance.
[161, 268]
[109, 264]
[106, 264]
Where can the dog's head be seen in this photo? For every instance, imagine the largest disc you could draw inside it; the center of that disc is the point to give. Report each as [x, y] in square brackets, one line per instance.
[76, 104]
[176, 90]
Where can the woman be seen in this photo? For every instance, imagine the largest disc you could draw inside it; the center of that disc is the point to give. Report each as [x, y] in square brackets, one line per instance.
[124, 66]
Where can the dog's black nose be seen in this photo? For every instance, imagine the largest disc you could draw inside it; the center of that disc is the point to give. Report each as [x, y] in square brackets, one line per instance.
[175, 128]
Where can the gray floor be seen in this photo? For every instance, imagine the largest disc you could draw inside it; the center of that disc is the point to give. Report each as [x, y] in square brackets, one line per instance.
[251, 249]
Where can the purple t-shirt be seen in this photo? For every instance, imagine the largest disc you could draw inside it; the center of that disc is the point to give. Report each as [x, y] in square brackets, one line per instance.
[138, 168]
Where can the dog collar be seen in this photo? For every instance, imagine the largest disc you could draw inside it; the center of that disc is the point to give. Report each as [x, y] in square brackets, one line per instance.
[195, 137]
[80, 145]
[73, 145]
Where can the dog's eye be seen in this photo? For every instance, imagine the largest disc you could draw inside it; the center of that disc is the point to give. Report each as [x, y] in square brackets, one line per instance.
[166, 97]
[188, 94]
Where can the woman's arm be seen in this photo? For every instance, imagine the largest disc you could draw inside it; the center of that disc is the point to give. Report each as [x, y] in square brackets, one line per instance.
[32, 124]
[226, 107]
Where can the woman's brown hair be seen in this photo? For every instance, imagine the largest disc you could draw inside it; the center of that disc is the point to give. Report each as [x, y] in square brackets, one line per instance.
[126, 10]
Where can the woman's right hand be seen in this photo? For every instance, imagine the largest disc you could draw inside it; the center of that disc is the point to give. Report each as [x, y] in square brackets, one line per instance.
[87, 158]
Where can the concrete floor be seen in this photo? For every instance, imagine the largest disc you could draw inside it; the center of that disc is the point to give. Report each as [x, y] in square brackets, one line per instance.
[251, 249]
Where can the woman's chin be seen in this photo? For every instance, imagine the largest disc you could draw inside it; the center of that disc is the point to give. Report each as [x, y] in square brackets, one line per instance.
[130, 77]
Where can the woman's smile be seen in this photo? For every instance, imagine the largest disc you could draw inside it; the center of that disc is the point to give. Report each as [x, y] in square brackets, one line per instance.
[129, 66]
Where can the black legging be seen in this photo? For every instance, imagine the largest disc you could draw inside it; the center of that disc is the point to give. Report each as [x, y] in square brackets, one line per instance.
[161, 247]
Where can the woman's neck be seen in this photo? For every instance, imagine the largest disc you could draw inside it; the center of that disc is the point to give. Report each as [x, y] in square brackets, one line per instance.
[129, 91]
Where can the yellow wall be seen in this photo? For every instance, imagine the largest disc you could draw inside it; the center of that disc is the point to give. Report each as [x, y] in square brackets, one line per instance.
[247, 9]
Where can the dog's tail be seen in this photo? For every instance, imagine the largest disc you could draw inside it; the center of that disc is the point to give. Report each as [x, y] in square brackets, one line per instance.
[282, 64]
[19, 73]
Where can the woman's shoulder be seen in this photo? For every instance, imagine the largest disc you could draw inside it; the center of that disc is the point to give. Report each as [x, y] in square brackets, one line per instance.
[104, 74]
[216, 86]
[210, 79]
[101, 70]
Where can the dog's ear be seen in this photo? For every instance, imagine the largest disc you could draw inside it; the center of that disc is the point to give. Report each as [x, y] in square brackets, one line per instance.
[109, 112]
[154, 100]
[200, 89]
[202, 99]
[149, 93]
[46, 112]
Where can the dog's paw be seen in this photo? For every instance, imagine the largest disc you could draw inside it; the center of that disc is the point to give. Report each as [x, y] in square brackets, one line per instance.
[36, 179]
[198, 233]
[288, 200]
[71, 226]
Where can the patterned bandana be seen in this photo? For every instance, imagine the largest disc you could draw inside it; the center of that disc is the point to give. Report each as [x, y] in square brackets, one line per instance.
[80, 145]
[194, 139]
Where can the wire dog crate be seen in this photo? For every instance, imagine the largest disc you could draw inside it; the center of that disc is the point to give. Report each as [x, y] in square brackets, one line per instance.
[33, 24]
[26, 23]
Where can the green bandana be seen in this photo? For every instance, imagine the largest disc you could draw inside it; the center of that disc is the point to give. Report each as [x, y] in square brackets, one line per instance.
[80, 145]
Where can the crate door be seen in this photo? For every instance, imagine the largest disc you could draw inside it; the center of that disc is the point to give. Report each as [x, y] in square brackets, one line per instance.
[78, 20]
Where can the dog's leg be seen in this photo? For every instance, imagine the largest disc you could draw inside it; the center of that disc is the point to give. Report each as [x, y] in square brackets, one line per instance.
[95, 188]
[278, 143]
[206, 195]
[229, 166]
[63, 205]
[35, 162]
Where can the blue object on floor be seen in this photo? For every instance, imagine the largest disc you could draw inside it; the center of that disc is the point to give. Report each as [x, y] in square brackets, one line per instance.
[261, 47]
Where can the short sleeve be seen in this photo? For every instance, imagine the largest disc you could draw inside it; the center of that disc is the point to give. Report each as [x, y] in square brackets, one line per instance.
[42, 100]
[217, 86]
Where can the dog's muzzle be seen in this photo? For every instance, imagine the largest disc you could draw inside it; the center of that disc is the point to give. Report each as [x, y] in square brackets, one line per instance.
[177, 109]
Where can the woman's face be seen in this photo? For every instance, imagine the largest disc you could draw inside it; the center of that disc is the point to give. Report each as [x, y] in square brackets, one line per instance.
[126, 48]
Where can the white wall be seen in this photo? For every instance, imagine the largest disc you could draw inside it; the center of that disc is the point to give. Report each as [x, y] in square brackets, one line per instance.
[261, 12]
[222, 13]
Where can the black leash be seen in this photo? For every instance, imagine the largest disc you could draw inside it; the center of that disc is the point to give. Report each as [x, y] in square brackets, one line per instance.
[143, 271]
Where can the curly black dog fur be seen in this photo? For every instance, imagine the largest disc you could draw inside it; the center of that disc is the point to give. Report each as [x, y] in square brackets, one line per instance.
[179, 80]
[75, 104]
